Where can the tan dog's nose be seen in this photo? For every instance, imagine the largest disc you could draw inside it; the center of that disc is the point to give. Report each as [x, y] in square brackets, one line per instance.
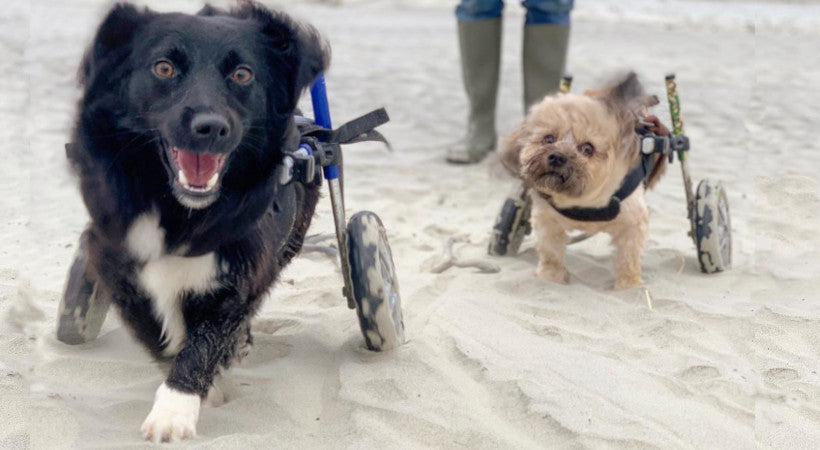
[557, 159]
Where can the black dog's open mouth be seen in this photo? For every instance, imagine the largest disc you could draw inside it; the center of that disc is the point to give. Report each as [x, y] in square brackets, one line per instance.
[197, 175]
[197, 172]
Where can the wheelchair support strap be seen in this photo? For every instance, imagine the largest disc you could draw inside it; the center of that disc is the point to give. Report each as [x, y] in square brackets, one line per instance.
[323, 146]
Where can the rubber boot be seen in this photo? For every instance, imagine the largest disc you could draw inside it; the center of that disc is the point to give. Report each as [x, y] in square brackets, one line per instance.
[480, 43]
[544, 59]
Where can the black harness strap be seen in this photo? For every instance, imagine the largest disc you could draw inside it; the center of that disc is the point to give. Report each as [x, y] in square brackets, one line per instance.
[360, 129]
[633, 179]
[325, 145]
[650, 145]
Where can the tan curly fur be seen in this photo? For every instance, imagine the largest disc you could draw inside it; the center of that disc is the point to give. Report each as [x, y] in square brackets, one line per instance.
[574, 151]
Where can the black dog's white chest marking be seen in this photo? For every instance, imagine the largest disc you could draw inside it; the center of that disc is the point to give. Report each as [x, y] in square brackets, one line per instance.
[165, 277]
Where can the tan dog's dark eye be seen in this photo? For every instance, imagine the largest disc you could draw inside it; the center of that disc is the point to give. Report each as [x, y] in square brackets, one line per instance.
[164, 69]
[242, 75]
[587, 149]
[549, 139]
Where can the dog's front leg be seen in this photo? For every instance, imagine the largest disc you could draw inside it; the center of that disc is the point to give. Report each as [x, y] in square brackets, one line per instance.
[209, 343]
[629, 244]
[552, 245]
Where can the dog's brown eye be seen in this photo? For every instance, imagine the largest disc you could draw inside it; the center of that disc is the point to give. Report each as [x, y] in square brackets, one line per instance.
[587, 149]
[242, 75]
[164, 69]
[549, 139]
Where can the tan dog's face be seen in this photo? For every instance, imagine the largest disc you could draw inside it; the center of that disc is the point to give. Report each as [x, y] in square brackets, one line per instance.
[577, 149]
[572, 147]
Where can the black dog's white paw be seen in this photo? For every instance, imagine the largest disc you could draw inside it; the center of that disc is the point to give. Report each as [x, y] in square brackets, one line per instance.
[173, 416]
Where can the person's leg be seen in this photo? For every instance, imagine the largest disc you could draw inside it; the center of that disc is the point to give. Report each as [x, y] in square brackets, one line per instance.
[546, 37]
[479, 36]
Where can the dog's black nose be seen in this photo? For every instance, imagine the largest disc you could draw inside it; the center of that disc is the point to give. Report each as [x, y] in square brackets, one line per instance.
[557, 159]
[211, 127]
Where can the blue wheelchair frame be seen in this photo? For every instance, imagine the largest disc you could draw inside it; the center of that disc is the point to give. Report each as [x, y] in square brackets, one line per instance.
[321, 116]
[362, 241]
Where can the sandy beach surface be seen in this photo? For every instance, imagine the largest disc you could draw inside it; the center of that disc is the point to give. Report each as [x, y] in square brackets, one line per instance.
[503, 360]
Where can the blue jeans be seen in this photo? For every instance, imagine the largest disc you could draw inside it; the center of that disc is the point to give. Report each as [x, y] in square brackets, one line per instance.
[554, 12]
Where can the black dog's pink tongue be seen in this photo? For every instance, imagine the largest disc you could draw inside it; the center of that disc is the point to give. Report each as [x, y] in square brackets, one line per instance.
[198, 168]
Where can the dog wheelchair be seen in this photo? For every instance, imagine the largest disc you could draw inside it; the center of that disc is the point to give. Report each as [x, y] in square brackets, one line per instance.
[707, 207]
[370, 283]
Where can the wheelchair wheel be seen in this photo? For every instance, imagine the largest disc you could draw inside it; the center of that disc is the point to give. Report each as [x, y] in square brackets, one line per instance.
[84, 304]
[511, 225]
[712, 227]
[375, 287]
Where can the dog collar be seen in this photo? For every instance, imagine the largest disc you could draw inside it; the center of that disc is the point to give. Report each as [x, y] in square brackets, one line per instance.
[631, 182]
[649, 144]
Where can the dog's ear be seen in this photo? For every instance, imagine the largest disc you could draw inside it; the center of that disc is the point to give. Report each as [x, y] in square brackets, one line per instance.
[310, 52]
[113, 37]
[209, 10]
[629, 94]
[313, 52]
[627, 89]
[626, 100]
[513, 144]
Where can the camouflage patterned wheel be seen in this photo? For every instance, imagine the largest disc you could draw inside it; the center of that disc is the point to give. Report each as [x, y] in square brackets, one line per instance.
[373, 278]
[511, 225]
[84, 304]
[712, 228]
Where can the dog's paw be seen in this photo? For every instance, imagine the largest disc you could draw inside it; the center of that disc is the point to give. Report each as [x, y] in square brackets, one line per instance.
[173, 416]
[558, 275]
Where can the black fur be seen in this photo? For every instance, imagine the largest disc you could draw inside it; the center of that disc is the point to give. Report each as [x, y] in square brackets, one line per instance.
[128, 116]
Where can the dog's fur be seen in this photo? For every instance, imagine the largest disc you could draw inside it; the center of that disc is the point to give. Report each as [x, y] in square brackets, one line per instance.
[548, 152]
[187, 264]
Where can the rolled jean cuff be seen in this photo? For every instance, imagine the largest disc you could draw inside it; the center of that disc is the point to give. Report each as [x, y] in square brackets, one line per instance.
[553, 12]
[547, 18]
[472, 10]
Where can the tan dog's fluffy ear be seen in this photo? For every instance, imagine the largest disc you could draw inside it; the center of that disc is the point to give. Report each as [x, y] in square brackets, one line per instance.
[628, 94]
[626, 100]
[513, 143]
[627, 89]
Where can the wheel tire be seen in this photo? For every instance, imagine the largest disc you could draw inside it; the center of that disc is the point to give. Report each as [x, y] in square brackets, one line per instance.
[511, 225]
[84, 304]
[374, 283]
[712, 227]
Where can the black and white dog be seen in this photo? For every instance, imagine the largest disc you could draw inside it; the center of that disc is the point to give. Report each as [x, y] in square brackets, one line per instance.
[182, 124]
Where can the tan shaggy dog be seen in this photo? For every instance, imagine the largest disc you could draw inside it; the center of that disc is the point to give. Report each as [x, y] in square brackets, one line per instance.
[574, 151]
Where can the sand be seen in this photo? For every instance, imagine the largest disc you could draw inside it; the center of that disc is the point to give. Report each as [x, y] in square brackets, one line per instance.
[501, 360]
